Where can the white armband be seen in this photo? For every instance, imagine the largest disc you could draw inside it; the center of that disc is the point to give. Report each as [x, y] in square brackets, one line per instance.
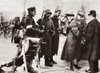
[28, 26]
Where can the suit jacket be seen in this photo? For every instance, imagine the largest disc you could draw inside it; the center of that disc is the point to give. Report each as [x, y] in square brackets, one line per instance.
[91, 47]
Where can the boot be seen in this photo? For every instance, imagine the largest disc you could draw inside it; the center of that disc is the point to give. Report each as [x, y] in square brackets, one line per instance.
[31, 70]
[77, 67]
[48, 63]
[1, 70]
[72, 66]
[3, 65]
[51, 59]
[89, 71]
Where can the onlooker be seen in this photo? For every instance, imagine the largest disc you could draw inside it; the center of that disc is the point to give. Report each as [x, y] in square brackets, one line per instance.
[91, 47]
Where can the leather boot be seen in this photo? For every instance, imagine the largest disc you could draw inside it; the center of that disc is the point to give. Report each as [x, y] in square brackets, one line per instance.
[3, 65]
[72, 66]
[48, 63]
[31, 70]
[77, 67]
[1, 70]
[51, 59]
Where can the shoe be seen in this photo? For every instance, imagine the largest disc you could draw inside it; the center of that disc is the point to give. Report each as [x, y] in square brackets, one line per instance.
[87, 70]
[90, 72]
[31, 70]
[77, 67]
[53, 62]
[3, 65]
[49, 64]
[1, 70]
[71, 68]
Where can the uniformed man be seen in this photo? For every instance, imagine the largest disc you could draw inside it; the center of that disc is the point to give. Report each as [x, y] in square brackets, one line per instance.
[48, 26]
[31, 31]
[29, 23]
[55, 38]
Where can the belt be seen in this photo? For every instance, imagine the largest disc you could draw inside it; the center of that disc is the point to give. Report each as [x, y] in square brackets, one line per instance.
[47, 30]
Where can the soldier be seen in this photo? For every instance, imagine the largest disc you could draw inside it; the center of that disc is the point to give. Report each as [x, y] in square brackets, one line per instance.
[29, 23]
[31, 31]
[55, 38]
[48, 26]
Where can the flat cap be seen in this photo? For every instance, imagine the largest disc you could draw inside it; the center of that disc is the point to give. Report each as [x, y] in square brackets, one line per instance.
[31, 9]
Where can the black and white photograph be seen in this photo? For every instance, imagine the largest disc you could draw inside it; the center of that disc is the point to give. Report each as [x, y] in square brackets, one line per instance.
[49, 36]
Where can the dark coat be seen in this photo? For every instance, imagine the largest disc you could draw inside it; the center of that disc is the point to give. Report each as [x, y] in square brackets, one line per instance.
[91, 50]
[46, 49]
[55, 38]
[31, 32]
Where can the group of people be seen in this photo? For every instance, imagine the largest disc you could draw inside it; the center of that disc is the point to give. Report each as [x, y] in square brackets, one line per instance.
[82, 41]
[47, 29]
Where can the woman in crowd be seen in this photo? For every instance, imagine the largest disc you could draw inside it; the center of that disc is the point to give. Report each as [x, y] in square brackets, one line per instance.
[69, 52]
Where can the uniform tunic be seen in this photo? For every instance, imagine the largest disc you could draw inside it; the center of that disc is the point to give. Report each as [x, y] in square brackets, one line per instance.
[49, 29]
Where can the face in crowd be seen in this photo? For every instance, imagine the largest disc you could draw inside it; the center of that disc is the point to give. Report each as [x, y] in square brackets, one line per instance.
[32, 13]
[57, 13]
[47, 15]
[80, 17]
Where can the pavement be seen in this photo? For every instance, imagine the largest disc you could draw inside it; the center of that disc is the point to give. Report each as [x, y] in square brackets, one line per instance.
[8, 51]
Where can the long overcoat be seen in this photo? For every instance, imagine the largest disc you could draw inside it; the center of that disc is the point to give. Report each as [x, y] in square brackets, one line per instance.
[91, 48]
[55, 38]
[68, 52]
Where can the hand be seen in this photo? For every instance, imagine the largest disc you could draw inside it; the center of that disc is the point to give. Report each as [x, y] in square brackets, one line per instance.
[82, 42]
[53, 33]
[41, 31]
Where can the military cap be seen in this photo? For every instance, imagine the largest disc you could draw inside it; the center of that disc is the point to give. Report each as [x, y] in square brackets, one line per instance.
[69, 15]
[31, 9]
[47, 11]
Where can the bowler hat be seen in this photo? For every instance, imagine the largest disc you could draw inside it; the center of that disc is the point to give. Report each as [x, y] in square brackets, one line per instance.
[92, 12]
[31, 9]
[47, 11]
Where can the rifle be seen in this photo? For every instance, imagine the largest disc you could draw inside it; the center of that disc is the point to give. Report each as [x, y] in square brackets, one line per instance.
[42, 13]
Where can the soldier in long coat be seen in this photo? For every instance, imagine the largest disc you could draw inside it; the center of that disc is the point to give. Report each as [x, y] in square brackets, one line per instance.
[91, 48]
[48, 26]
[55, 38]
